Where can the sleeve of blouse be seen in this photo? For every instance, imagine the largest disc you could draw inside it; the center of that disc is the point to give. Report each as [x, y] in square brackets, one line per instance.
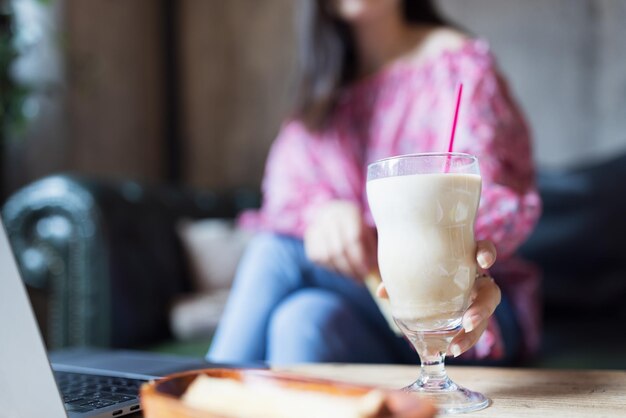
[493, 129]
[291, 186]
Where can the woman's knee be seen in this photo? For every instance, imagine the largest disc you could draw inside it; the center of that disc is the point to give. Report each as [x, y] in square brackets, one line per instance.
[267, 256]
[271, 248]
[306, 327]
[269, 242]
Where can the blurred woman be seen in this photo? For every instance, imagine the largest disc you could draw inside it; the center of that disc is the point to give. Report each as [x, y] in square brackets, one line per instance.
[377, 78]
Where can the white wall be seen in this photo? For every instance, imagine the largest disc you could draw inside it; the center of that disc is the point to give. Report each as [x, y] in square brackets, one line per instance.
[566, 61]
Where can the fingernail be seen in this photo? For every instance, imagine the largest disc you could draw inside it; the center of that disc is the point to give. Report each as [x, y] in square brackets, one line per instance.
[484, 259]
[455, 349]
[469, 323]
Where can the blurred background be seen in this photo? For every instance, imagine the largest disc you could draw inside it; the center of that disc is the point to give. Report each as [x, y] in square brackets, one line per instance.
[161, 113]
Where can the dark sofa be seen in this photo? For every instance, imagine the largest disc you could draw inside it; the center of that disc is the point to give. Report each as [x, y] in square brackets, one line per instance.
[103, 261]
[102, 258]
[580, 246]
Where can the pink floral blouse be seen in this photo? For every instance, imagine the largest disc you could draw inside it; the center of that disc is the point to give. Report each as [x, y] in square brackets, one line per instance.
[408, 108]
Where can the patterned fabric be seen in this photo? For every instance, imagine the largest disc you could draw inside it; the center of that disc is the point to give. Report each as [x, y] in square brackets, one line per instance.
[407, 108]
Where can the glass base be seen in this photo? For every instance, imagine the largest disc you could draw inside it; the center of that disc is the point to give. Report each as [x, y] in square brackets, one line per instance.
[452, 398]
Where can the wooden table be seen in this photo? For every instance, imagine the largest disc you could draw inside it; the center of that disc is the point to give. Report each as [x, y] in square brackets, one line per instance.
[514, 392]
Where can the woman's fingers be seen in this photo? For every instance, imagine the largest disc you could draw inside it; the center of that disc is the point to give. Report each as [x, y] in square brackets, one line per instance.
[487, 299]
[381, 291]
[466, 340]
[485, 254]
[476, 318]
[344, 257]
[355, 254]
[341, 264]
[357, 246]
[314, 248]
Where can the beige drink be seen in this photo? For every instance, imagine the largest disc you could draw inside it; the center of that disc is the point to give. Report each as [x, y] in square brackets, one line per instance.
[426, 247]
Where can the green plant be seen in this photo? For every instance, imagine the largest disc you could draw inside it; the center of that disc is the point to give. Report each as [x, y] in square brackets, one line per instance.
[12, 95]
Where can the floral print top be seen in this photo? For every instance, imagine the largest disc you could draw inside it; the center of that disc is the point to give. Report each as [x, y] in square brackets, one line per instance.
[408, 108]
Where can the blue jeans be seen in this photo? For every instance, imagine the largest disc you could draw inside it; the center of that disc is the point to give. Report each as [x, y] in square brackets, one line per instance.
[284, 309]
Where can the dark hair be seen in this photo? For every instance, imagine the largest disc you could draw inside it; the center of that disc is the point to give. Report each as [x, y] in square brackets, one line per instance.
[327, 55]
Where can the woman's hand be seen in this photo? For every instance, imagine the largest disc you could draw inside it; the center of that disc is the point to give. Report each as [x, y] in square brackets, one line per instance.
[339, 239]
[484, 300]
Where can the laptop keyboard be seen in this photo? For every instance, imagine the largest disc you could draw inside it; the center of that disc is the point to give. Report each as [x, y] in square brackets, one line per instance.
[86, 392]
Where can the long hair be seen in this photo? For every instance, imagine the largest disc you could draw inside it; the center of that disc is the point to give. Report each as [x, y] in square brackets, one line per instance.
[327, 55]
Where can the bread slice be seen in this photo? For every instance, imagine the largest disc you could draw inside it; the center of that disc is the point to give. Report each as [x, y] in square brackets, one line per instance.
[232, 398]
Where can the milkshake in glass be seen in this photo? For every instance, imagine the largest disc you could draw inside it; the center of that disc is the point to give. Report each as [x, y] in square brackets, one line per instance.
[424, 207]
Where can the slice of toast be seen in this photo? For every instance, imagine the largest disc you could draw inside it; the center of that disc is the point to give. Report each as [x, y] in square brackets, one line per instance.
[233, 398]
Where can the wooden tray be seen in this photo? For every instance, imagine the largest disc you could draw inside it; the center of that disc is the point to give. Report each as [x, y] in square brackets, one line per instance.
[160, 399]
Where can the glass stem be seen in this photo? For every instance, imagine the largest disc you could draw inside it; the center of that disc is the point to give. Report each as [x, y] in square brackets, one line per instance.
[432, 348]
[433, 373]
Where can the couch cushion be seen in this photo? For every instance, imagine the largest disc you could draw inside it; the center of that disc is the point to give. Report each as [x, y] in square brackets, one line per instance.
[579, 242]
[213, 248]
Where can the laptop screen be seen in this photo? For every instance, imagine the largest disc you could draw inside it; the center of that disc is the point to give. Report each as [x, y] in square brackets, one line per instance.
[27, 386]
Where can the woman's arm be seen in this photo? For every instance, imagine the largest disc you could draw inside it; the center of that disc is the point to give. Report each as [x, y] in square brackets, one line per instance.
[292, 187]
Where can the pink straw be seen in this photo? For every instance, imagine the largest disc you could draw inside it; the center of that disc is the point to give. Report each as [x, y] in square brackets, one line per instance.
[456, 118]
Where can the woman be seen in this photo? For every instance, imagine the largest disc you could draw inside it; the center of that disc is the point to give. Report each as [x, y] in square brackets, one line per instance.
[378, 78]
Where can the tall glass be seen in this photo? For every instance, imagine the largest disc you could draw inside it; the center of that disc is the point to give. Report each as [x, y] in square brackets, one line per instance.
[424, 207]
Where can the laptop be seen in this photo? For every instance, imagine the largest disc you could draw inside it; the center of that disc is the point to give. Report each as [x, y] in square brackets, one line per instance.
[78, 383]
